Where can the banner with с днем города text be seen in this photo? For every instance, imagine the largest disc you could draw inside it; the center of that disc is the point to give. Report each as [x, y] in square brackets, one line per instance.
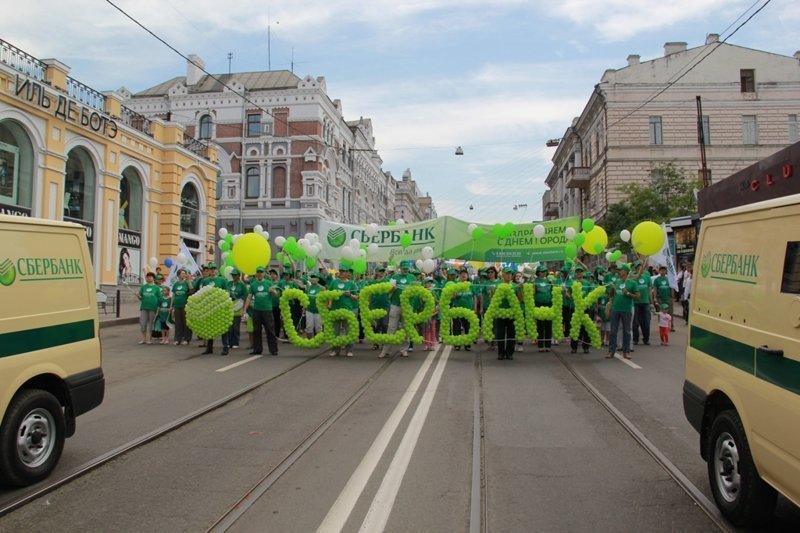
[450, 239]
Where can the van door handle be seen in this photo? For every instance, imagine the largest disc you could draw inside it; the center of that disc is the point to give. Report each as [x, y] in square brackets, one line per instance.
[777, 352]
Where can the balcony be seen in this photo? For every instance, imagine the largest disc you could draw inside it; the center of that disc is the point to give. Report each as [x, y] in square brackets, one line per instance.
[21, 61]
[197, 147]
[136, 121]
[551, 209]
[577, 178]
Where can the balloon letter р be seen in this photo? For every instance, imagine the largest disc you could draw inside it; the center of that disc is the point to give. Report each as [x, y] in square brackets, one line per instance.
[251, 251]
[647, 238]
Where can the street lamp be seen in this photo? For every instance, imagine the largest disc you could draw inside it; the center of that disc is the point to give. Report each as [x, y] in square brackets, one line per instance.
[459, 151]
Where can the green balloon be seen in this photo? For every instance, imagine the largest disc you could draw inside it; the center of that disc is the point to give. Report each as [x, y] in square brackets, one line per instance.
[580, 238]
[229, 239]
[508, 229]
[310, 262]
[598, 247]
[497, 230]
[360, 266]
[587, 225]
[571, 251]
[224, 246]
[405, 240]
[477, 234]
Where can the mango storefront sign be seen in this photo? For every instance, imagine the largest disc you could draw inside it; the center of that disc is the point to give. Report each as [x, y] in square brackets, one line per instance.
[450, 239]
[740, 268]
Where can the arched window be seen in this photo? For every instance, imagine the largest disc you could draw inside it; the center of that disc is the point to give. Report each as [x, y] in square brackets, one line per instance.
[130, 200]
[16, 166]
[204, 131]
[79, 186]
[190, 210]
[252, 182]
[279, 182]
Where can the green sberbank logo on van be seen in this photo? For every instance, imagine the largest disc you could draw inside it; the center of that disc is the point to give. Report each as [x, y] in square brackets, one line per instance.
[740, 268]
[336, 237]
[40, 269]
[7, 273]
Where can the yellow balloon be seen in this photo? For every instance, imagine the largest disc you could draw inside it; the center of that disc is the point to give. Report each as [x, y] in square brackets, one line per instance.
[647, 238]
[596, 236]
[250, 252]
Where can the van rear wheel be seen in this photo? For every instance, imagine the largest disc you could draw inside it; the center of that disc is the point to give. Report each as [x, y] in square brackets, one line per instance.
[31, 438]
[741, 495]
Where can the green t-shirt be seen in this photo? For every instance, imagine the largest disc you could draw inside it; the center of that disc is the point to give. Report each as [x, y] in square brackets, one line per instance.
[151, 297]
[262, 297]
[344, 301]
[663, 290]
[542, 292]
[237, 290]
[643, 285]
[623, 303]
[163, 309]
[180, 294]
[463, 299]
[488, 291]
[504, 303]
[312, 291]
[402, 282]
[218, 282]
[379, 301]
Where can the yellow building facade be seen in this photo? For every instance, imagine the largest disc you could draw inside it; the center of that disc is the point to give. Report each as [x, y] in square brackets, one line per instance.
[141, 187]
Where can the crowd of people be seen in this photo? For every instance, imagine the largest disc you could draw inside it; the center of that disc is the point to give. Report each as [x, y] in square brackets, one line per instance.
[634, 295]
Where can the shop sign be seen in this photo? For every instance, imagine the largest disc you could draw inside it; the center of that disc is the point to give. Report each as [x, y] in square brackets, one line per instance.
[15, 210]
[88, 226]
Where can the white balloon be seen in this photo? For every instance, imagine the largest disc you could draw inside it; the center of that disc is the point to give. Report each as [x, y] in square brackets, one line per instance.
[471, 228]
[312, 251]
[227, 273]
[419, 264]
[427, 252]
[608, 256]
[236, 237]
[314, 238]
[223, 233]
[372, 249]
[570, 233]
[428, 266]
[348, 253]
[153, 262]
[538, 231]
[303, 243]
[258, 228]
[371, 230]
[225, 256]
[354, 244]
[400, 222]
[181, 258]
[265, 234]
[625, 235]
[307, 237]
[280, 241]
[361, 254]
[318, 248]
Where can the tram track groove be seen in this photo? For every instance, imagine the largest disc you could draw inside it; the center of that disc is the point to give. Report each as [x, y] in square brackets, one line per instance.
[656, 454]
[142, 440]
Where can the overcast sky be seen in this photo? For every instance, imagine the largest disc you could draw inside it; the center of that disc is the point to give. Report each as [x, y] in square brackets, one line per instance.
[497, 77]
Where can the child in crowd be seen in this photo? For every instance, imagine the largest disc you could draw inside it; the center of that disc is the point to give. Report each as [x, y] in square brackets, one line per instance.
[161, 327]
[664, 324]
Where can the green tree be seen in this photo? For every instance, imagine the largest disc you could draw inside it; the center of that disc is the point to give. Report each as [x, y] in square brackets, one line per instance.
[669, 194]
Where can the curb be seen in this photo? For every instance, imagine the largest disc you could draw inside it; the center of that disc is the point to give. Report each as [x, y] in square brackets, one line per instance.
[118, 322]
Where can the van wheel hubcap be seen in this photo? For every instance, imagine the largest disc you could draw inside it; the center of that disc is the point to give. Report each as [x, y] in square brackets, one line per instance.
[35, 438]
[726, 467]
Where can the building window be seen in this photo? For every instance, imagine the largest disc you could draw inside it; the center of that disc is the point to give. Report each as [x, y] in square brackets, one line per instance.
[190, 210]
[130, 200]
[218, 191]
[254, 125]
[253, 182]
[747, 76]
[655, 130]
[79, 186]
[309, 190]
[790, 284]
[792, 128]
[706, 130]
[205, 127]
[749, 129]
[279, 182]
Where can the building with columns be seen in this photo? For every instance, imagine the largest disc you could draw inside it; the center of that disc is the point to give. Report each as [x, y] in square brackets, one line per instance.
[750, 101]
[288, 157]
[68, 152]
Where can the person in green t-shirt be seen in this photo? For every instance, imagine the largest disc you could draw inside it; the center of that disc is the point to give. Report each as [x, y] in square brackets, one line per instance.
[662, 293]
[237, 290]
[180, 295]
[215, 280]
[348, 301]
[260, 304]
[586, 288]
[313, 316]
[465, 300]
[642, 307]
[543, 297]
[380, 301]
[149, 296]
[400, 282]
[504, 330]
[623, 295]
[161, 325]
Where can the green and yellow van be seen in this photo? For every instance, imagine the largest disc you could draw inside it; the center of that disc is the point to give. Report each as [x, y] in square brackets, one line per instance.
[50, 360]
[742, 388]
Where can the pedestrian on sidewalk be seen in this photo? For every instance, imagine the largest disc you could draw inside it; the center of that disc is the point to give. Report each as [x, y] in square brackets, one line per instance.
[260, 302]
[149, 296]
[623, 295]
[664, 324]
[642, 307]
[237, 290]
[160, 325]
[687, 290]
[662, 292]
[180, 295]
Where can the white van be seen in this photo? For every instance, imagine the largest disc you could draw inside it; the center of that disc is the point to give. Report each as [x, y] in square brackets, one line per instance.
[742, 388]
[50, 361]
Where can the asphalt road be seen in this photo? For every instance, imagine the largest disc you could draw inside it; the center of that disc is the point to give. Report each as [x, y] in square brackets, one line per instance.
[401, 458]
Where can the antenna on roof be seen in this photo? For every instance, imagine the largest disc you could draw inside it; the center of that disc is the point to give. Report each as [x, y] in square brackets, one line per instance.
[230, 56]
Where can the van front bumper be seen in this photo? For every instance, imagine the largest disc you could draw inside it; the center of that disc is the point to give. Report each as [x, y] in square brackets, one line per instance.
[86, 390]
[694, 401]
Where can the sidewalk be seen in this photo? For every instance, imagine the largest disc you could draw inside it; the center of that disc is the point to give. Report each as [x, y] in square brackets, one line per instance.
[128, 314]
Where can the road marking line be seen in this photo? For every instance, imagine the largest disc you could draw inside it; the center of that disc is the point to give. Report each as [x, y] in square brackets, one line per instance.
[240, 363]
[382, 504]
[340, 511]
[627, 361]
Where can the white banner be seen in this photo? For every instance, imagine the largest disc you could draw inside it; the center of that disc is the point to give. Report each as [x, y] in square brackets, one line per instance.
[664, 258]
[190, 265]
